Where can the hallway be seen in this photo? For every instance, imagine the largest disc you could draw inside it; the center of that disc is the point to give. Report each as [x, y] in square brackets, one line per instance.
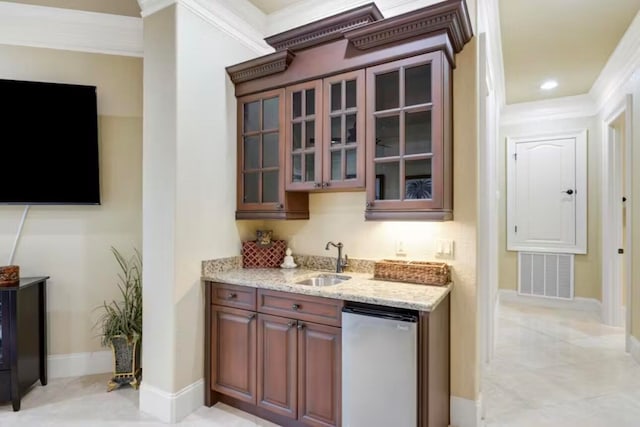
[559, 368]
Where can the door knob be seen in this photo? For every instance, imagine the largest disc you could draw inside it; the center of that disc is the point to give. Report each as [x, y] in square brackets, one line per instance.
[569, 191]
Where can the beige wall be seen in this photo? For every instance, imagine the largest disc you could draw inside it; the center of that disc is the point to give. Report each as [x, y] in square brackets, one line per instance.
[71, 244]
[588, 270]
[340, 217]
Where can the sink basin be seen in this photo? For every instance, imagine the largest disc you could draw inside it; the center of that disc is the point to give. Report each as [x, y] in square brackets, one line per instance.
[324, 280]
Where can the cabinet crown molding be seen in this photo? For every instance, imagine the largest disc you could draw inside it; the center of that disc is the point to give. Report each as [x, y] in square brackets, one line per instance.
[450, 16]
[446, 23]
[325, 30]
[259, 67]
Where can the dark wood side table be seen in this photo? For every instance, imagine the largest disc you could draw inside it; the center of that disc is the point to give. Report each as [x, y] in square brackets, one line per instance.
[23, 338]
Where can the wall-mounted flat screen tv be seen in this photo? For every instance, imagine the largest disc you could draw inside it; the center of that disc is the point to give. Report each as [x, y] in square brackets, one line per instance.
[48, 144]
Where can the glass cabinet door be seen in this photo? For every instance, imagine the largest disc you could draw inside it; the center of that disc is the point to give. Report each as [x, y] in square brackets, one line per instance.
[259, 151]
[343, 152]
[405, 140]
[304, 136]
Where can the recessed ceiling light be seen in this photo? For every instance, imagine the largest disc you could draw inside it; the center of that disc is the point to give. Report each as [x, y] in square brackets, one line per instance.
[549, 84]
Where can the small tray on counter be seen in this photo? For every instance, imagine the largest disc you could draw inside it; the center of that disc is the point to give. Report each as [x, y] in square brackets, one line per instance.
[419, 272]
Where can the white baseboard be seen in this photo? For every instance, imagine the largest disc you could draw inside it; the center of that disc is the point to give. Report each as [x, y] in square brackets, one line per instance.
[171, 407]
[634, 348]
[577, 303]
[465, 412]
[79, 364]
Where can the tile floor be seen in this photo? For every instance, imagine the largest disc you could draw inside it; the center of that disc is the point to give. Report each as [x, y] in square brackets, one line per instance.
[552, 368]
[84, 402]
[559, 368]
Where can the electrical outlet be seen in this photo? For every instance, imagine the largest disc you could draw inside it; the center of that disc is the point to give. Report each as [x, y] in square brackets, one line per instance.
[400, 250]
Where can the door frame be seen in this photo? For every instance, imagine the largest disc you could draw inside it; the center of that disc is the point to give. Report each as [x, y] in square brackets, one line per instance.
[488, 205]
[613, 312]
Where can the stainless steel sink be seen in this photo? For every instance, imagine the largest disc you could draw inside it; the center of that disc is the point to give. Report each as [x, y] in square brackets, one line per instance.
[324, 280]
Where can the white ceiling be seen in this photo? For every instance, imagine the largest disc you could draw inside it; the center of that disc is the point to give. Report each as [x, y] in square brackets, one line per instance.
[568, 40]
[269, 6]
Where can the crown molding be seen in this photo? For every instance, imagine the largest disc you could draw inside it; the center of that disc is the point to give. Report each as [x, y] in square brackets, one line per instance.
[450, 16]
[305, 11]
[619, 70]
[265, 65]
[68, 29]
[551, 109]
[325, 30]
[239, 19]
[216, 13]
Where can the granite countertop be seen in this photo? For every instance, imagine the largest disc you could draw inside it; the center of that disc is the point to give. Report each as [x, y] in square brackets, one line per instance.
[361, 287]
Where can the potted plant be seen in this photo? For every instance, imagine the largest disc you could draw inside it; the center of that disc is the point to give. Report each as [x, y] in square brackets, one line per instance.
[120, 323]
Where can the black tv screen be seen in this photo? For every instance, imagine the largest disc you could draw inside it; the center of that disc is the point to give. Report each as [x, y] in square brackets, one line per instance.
[48, 143]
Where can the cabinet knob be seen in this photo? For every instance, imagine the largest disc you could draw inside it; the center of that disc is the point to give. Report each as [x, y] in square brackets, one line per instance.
[232, 295]
[295, 307]
[251, 317]
[279, 206]
[317, 184]
[369, 205]
[327, 184]
[300, 326]
[290, 325]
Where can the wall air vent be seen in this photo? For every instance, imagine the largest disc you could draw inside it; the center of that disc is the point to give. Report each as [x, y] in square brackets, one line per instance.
[545, 275]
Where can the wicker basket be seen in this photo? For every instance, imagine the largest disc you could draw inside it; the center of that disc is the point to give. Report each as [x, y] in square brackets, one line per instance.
[421, 272]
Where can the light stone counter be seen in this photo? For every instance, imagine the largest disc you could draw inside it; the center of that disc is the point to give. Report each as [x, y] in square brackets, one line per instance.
[361, 287]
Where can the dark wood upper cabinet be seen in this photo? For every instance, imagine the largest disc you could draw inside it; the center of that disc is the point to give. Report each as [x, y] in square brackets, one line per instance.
[343, 152]
[362, 103]
[261, 173]
[303, 140]
[408, 140]
[325, 134]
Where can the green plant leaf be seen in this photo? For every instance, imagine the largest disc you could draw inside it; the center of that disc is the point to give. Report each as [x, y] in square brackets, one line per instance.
[123, 317]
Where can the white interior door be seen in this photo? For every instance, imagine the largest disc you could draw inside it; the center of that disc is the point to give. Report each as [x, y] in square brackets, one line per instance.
[547, 193]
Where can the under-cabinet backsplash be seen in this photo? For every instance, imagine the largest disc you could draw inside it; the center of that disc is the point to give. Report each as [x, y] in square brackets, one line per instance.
[311, 262]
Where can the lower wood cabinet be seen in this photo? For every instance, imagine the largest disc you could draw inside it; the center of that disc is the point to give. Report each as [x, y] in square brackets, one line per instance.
[279, 357]
[233, 352]
[319, 373]
[285, 369]
[277, 365]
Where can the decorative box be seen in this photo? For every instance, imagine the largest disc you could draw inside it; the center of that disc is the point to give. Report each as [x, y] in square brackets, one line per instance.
[9, 275]
[254, 256]
[420, 272]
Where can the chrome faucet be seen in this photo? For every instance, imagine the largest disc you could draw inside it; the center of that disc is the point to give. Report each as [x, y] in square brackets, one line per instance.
[340, 263]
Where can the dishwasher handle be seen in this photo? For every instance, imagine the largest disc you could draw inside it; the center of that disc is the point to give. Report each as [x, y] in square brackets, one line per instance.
[382, 312]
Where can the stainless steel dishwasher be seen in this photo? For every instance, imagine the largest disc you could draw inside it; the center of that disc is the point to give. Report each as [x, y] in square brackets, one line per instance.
[379, 366]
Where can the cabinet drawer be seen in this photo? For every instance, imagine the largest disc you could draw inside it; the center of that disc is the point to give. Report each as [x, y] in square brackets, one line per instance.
[302, 307]
[233, 296]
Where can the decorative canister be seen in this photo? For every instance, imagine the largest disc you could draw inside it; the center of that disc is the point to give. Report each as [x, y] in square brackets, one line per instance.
[9, 275]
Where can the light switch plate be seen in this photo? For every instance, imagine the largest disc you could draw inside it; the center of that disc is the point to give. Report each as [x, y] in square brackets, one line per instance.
[444, 248]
